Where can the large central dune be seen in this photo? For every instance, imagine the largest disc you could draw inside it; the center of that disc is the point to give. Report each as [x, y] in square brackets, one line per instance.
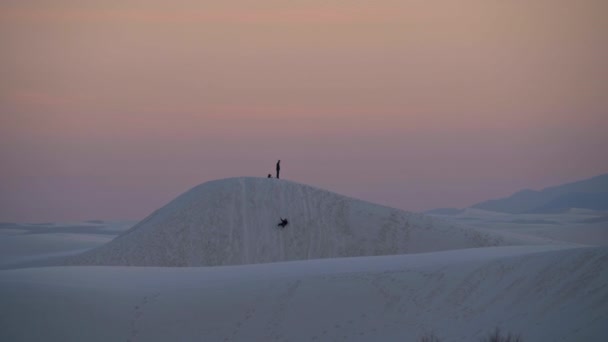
[234, 221]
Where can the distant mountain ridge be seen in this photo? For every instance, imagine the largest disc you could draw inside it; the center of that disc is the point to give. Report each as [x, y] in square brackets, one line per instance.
[444, 211]
[590, 193]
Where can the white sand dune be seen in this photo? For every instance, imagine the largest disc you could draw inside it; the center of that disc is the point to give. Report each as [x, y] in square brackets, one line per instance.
[580, 226]
[407, 275]
[40, 244]
[234, 221]
[548, 293]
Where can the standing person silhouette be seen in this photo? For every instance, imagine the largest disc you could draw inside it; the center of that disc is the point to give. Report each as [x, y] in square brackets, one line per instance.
[278, 168]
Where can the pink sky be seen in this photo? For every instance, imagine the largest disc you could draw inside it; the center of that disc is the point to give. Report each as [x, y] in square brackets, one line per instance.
[109, 109]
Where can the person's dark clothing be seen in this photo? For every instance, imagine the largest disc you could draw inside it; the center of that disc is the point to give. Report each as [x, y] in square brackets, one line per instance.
[283, 223]
[269, 175]
[278, 168]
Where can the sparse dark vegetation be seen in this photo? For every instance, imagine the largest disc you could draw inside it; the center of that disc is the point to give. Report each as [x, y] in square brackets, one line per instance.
[429, 338]
[498, 336]
[495, 336]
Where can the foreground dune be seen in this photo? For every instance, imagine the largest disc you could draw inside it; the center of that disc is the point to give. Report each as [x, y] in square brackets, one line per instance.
[546, 293]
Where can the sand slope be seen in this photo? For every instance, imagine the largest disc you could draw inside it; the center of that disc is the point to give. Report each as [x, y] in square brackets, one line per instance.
[547, 293]
[234, 221]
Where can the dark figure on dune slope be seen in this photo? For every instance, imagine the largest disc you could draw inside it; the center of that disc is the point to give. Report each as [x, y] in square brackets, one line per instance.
[278, 168]
[283, 223]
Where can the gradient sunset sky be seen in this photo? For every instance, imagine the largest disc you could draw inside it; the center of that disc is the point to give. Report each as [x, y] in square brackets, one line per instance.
[109, 109]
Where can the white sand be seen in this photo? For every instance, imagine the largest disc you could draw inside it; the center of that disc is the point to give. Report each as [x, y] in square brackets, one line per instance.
[545, 293]
[234, 221]
[546, 290]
